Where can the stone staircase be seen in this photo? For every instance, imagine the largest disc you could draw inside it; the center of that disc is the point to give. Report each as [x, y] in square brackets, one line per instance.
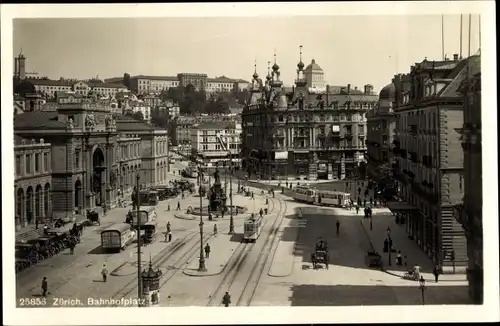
[453, 238]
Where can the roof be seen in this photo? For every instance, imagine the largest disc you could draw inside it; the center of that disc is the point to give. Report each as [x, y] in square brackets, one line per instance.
[313, 66]
[106, 85]
[49, 82]
[211, 125]
[222, 79]
[38, 120]
[461, 73]
[241, 81]
[128, 123]
[388, 92]
[166, 78]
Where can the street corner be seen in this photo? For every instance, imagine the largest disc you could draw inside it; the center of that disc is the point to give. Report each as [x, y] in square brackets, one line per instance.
[222, 248]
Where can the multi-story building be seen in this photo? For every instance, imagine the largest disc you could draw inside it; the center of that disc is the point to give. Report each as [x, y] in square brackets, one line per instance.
[50, 87]
[32, 186]
[314, 76]
[205, 146]
[199, 81]
[470, 212]
[240, 85]
[140, 106]
[429, 163]
[152, 84]
[381, 126]
[225, 84]
[84, 157]
[307, 133]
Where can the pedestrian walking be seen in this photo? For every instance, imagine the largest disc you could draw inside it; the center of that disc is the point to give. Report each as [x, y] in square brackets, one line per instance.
[36, 224]
[399, 259]
[226, 300]
[215, 229]
[252, 195]
[168, 226]
[178, 206]
[436, 272]
[168, 207]
[207, 251]
[357, 209]
[261, 212]
[44, 286]
[104, 273]
[169, 236]
[338, 226]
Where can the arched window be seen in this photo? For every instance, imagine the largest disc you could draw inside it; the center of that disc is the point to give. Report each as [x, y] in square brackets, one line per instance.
[29, 204]
[19, 203]
[38, 201]
[46, 199]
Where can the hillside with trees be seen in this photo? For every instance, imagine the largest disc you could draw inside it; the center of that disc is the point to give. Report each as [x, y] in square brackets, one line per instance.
[192, 101]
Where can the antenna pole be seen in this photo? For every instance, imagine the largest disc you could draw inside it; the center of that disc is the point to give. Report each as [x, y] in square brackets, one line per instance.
[442, 36]
[470, 21]
[461, 30]
[479, 34]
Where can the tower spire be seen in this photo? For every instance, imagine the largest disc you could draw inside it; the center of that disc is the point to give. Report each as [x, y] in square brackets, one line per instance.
[300, 49]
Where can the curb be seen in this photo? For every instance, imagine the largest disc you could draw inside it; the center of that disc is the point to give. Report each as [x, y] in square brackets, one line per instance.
[185, 272]
[382, 266]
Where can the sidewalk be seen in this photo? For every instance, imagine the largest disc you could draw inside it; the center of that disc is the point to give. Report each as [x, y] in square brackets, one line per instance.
[401, 242]
[222, 248]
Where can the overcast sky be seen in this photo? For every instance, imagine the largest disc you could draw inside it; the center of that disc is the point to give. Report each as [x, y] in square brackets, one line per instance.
[350, 49]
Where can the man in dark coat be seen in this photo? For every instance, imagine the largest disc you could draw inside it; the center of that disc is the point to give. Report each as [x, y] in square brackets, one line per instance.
[226, 300]
[207, 251]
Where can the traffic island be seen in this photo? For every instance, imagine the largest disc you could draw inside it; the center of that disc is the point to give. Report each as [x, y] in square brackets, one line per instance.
[222, 248]
[284, 257]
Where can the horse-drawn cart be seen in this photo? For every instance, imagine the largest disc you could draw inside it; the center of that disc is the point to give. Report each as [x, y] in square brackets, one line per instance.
[93, 217]
[373, 258]
[320, 254]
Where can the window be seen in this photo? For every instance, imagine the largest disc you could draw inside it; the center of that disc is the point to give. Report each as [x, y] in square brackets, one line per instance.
[28, 164]
[46, 161]
[461, 182]
[18, 165]
[77, 159]
[217, 147]
[205, 147]
[349, 117]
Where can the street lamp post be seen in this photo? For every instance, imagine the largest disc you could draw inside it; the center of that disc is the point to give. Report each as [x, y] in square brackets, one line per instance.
[422, 288]
[107, 199]
[201, 267]
[231, 222]
[139, 272]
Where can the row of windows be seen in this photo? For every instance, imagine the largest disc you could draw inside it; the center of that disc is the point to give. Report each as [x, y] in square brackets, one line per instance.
[302, 118]
[32, 164]
[161, 147]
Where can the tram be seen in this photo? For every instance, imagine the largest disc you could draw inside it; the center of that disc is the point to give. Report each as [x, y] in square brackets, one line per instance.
[304, 194]
[333, 198]
[252, 228]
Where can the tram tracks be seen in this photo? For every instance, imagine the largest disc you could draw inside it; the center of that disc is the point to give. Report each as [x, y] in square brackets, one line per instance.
[178, 265]
[240, 282]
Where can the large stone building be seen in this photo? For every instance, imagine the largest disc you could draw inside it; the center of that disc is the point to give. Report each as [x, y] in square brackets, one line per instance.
[470, 212]
[78, 154]
[381, 127]
[309, 133]
[429, 163]
[206, 148]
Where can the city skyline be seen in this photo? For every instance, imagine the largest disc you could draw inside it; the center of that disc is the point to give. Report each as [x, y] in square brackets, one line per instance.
[109, 38]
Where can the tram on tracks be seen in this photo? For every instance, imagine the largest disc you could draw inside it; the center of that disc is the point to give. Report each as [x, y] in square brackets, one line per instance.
[252, 228]
[333, 198]
[304, 194]
[309, 195]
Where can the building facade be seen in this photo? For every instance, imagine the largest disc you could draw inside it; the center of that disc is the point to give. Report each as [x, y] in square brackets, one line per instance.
[381, 127]
[206, 148]
[429, 163]
[307, 134]
[470, 212]
[33, 171]
[85, 158]
[199, 81]
[314, 75]
[152, 84]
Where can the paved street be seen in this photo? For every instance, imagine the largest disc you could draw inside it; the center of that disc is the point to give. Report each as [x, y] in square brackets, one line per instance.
[348, 281]
[78, 275]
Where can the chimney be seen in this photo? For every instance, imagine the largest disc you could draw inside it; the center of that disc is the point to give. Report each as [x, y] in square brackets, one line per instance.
[366, 90]
[455, 56]
[348, 88]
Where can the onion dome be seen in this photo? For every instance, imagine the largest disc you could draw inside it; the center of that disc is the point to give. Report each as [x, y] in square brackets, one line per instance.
[276, 67]
[255, 75]
[300, 65]
[269, 77]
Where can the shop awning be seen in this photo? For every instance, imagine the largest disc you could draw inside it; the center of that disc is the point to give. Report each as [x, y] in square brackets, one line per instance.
[400, 206]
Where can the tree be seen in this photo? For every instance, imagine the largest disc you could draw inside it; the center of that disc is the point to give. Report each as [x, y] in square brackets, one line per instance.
[23, 87]
[126, 79]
